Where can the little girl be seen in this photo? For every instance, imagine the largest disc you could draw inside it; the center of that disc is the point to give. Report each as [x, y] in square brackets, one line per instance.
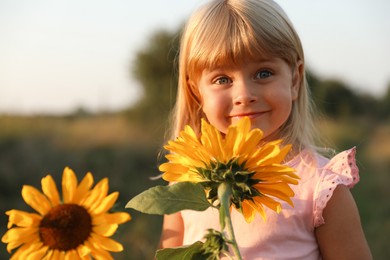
[243, 58]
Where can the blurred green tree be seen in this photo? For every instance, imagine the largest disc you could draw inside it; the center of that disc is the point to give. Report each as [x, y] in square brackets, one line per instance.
[340, 100]
[155, 69]
[337, 100]
[385, 104]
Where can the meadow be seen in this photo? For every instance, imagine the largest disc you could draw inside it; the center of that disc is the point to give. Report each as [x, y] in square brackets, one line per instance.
[114, 146]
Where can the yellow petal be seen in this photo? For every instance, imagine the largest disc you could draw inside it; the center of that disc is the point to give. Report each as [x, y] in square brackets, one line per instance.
[19, 233]
[259, 208]
[105, 230]
[197, 159]
[188, 130]
[16, 236]
[187, 153]
[283, 153]
[114, 218]
[264, 173]
[243, 128]
[49, 255]
[49, 188]
[267, 153]
[83, 188]
[172, 177]
[35, 199]
[22, 218]
[279, 168]
[211, 140]
[97, 252]
[69, 185]
[72, 255]
[13, 244]
[248, 211]
[173, 167]
[106, 204]
[83, 251]
[37, 253]
[188, 136]
[96, 195]
[251, 142]
[27, 249]
[106, 243]
[58, 255]
[21, 250]
[279, 178]
[270, 203]
[173, 170]
[280, 187]
[189, 156]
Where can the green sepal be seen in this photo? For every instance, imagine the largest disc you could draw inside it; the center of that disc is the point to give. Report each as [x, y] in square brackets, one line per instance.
[169, 199]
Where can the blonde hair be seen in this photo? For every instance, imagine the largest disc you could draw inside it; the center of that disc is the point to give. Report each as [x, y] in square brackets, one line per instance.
[231, 31]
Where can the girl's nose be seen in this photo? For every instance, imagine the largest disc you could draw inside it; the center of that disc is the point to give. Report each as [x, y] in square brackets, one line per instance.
[244, 94]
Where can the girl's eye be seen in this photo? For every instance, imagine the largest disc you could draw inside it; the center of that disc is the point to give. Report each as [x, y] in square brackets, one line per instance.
[263, 74]
[223, 81]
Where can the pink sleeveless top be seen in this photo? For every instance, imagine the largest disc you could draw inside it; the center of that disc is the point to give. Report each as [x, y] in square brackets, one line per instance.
[289, 234]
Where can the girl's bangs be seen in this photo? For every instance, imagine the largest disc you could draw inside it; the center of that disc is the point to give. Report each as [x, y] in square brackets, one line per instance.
[226, 40]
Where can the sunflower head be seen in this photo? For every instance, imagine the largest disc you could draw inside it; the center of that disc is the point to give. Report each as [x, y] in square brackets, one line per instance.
[215, 244]
[254, 171]
[73, 227]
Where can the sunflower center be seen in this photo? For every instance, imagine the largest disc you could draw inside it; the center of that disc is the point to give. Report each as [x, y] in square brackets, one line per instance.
[65, 227]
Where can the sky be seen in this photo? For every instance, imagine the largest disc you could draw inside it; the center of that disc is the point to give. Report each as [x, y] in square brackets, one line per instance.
[59, 56]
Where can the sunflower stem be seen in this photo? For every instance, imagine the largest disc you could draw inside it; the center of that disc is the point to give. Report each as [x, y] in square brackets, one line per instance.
[224, 194]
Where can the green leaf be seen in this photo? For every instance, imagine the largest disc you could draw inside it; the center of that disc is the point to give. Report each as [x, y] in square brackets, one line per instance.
[193, 251]
[170, 199]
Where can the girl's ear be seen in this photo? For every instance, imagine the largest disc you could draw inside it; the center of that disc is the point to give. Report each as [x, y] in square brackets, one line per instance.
[297, 77]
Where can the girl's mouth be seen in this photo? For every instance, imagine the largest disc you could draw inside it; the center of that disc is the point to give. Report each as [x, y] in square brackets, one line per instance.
[250, 115]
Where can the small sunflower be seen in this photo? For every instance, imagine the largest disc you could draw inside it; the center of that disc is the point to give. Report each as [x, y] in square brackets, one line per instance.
[255, 172]
[77, 227]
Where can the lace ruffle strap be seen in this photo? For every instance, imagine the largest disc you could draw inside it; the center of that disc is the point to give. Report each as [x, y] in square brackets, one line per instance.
[341, 169]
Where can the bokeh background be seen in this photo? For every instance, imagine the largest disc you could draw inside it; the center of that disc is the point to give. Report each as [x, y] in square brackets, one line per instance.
[89, 85]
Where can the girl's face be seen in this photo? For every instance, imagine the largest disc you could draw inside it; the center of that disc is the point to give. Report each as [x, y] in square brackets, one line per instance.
[262, 90]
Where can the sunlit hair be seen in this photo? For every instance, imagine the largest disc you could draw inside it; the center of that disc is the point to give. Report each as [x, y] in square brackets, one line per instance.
[230, 32]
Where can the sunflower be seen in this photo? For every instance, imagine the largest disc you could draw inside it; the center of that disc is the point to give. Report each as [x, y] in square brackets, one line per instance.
[77, 227]
[255, 172]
